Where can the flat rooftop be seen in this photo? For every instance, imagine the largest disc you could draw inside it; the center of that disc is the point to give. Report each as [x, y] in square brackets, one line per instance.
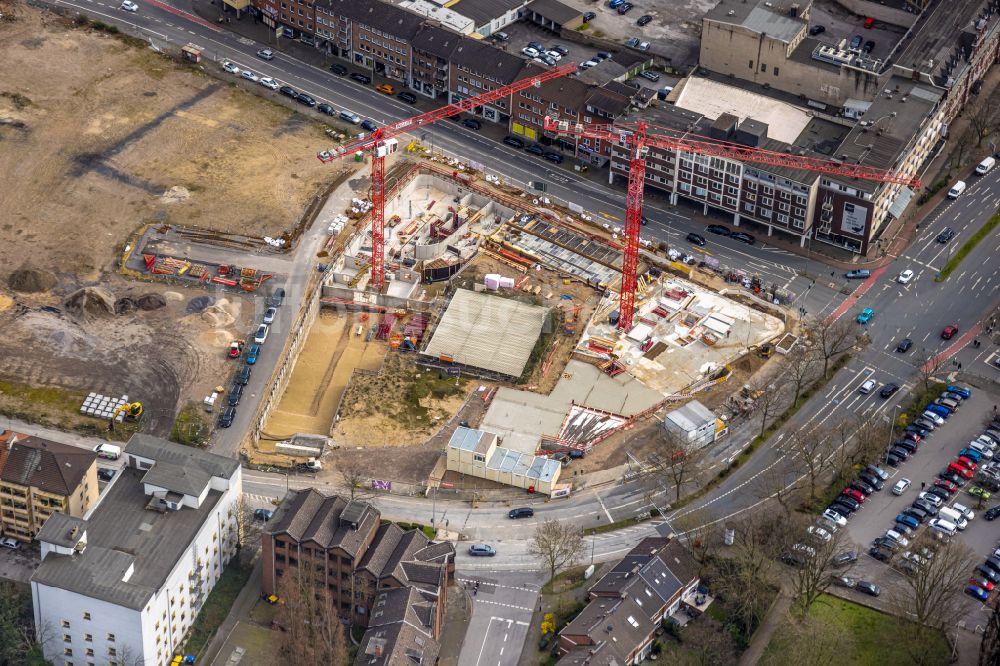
[768, 16]
[122, 533]
[488, 332]
[939, 33]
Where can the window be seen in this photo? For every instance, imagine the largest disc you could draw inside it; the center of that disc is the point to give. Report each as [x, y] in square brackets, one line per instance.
[783, 206]
[89, 638]
[732, 191]
[751, 64]
[730, 201]
[68, 652]
[111, 637]
[67, 638]
[764, 212]
[766, 201]
[90, 652]
[775, 71]
[748, 207]
[86, 615]
[112, 652]
[65, 624]
[763, 68]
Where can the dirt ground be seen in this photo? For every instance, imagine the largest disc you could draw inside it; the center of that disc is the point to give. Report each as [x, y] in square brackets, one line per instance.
[93, 134]
[331, 352]
[175, 353]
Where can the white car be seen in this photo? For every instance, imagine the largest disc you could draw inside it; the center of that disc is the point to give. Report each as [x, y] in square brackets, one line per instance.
[270, 84]
[250, 76]
[897, 537]
[10, 542]
[269, 315]
[936, 419]
[868, 386]
[900, 486]
[129, 6]
[835, 518]
[555, 55]
[261, 335]
[529, 52]
[230, 67]
[931, 498]
[905, 277]
[819, 533]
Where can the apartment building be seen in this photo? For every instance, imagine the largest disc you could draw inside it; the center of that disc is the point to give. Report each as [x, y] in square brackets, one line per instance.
[123, 584]
[478, 67]
[400, 631]
[628, 603]
[372, 35]
[430, 70]
[39, 478]
[349, 552]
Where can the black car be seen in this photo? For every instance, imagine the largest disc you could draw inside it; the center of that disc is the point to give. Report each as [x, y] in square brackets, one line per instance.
[718, 229]
[844, 558]
[589, 16]
[879, 554]
[743, 238]
[899, 452]
[862, 486]
[916, 512]
[868, 588]
[235, 393]
[263, 514]
[644, 19]
[288, 91]
[954, 478]
[244, 375]
[904, 345]
[817, 30]
[925, 424]
[849, 502]
[696, 239]
[535, 149]
[906, 445]
[839, 509]
[946, 235]
[105, 473]
[368, 126]
[893, 460]
[926, 507]
[553, 157]
[992, 514]
[338, 69]
[625, 8]
[576, 454]
[988, 573]
[888, 390]
[872, 480]
[327, 109]
[226, 417]
[917, 430]
[938, 491]
[869, 46]
[276, 298]
[601, 55]
[472, 123]
[407, 97]
[362, 78]
[886, 543]
[513, 141]
[521, 512]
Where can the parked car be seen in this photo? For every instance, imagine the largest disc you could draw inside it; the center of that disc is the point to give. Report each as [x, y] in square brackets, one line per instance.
[869, 46]
[980, 492]
[513, 141]
[982, 582]
[535, 149]
[844, 558]
[650, 76]
[856, 42]
[867, 386]
[253, 354]
[482, 550]
[888, 390]
[407, 97]
[521, 512]
[977, 592]
[589, 16]
[235, 393]
[817, 30]
[229, 67]
[473, 124]
[265, 54]
[931, 498]
[900, 486]
[866, 316]
[368, 125]
[226, 417]
[338, 69]
[243, 377]
[269, 83]
[743, 238]
[904, 345]
[961, 390]
[288, 91]
[878, 471]
[718, 229]
[992, 513]
[553, 156]
[327, 109]
[839, 519]
[263, 514]
[855, 495]
[872, 480]
[105, 473]
[10, 542]
[880, 554]
[818, 533]
[858, 274]
[250, 76]
[363, 79]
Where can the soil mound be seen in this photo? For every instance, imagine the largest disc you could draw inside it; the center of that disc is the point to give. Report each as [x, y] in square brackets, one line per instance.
[31, 280]
[198, 304]
[150, 302]
[175, 194]
[173, 296]
[91, 301]
[124, 305]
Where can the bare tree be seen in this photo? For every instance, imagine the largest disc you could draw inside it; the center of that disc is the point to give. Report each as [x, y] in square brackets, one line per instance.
[989, 649]
[833, 339]
[774, 482]
[928, 364]
[810, 641]
[813, 573]
[356, 481]
[800, 368]
[768, 399]
[980, 116]
[558, 545]
[705, 642]
[312, 630]
[700, 531]
[810, 455]
[860, 441]
[248, 529]
[673, 463]
[958, 153]
[931, 593]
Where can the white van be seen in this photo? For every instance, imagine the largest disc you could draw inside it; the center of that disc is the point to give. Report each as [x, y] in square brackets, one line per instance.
[956, 190]
[943, 526]
[954, 517]
[109, 451]
[985, 166]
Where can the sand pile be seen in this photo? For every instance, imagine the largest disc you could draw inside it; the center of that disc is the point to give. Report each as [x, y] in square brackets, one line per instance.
[31, 280]
[6, 302]
[90, 301]
[173, 296]
[216, 338]
[151, 301]
[222, 313]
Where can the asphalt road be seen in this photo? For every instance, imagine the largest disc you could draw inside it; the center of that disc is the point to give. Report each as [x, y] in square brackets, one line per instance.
[502, 606]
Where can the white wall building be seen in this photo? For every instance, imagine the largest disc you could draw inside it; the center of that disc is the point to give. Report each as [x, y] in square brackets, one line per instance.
[123, 585]
[693, 424]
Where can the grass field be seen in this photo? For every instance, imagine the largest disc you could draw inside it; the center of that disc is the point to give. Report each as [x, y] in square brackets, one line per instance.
[874, 636]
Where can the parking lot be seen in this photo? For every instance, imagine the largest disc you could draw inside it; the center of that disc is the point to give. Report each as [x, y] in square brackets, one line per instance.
[523, 32]
[841, 24]
[880, 509]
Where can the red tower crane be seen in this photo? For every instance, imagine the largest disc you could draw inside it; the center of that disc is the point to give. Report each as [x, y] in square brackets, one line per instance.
[638, 139]
[382, 143]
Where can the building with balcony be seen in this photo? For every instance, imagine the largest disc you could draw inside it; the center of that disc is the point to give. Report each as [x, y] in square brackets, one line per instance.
[39, 478]
[350, 553]
[123, 584]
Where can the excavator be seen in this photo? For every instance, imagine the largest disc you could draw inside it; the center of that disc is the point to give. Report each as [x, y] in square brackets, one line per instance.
[132, 410]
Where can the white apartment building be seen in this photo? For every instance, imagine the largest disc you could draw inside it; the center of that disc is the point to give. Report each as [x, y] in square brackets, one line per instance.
[123, 585]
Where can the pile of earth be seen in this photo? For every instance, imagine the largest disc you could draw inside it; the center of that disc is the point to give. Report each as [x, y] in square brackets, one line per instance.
[31, 280]
[198, 303]
[127, 304]
[222, 313]
[90, 302]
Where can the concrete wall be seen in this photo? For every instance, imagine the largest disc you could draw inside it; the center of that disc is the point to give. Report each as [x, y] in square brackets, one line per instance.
[365, 300]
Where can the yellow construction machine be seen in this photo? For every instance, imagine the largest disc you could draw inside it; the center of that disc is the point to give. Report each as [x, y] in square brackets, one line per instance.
[132, 410]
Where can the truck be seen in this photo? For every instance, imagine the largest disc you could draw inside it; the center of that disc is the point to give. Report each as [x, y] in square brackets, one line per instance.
[312, 465]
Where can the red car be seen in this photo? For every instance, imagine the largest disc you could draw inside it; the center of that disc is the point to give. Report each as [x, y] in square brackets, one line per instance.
[967, 462]
[949, 331]
[981, 582]
[947, 485]
[856, 495]
[961, 471]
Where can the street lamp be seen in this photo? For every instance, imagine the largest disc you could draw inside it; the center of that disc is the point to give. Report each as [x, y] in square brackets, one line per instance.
[593, 540]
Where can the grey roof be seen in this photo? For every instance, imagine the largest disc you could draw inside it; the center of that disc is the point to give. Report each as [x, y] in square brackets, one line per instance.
[397, 644]
[437, 41]
[484, 59]
[468, 439]
[484, 11]
[691, 416]
[59, 530]
[622, 623]
[382, 15]
[161, 450]
[310, 515]
[554, 10]
[608, 102]
[759, 17]
[516, 324]
[182, 479]
[122, 533]
[939, 33]
[568, 92]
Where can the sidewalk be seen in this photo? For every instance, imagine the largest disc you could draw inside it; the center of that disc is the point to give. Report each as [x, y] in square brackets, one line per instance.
[457, 615]
[240, 612]
[775, 617]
